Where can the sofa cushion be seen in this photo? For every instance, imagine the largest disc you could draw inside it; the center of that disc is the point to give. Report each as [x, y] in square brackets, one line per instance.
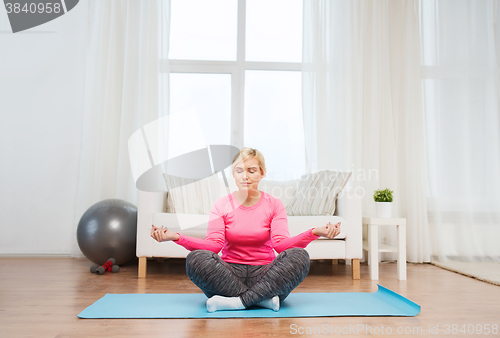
[317, 193]
[223, 190]
[283, 190]
[311, 195]
[190, 196]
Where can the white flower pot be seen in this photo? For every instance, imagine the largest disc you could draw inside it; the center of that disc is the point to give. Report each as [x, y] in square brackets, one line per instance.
[384, 209]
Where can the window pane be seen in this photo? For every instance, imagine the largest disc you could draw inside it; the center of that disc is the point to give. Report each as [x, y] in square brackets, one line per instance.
[274, 30]
[428, 32]
[210, 95]
[273, 121]
[203, 30]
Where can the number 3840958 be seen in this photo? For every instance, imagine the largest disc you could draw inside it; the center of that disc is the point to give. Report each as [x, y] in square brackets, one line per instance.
[42, 7]
[471, 329]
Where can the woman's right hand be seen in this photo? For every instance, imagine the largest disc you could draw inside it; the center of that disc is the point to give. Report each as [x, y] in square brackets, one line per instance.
[163, 234]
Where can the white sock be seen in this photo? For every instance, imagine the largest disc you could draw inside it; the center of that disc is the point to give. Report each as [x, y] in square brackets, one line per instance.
[218, 303]
[271, 303]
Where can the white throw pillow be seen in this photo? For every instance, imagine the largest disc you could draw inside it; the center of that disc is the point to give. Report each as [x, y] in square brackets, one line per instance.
[283, 190]
[189, 196]
[230, 180]
[317, 193]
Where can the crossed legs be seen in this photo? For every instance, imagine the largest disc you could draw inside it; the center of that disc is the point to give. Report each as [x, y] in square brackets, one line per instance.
[238, 286]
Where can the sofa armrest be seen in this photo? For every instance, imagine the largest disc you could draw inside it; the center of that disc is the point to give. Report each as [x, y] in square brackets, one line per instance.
[148, 204]
[349, 208]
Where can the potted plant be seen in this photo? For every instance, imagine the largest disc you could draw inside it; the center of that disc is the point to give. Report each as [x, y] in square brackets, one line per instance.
[383, 202]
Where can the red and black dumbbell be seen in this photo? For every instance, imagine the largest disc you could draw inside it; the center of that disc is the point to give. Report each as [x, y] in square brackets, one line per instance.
[108, 266]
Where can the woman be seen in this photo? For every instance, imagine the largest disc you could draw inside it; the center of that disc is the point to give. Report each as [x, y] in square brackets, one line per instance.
[247, 225]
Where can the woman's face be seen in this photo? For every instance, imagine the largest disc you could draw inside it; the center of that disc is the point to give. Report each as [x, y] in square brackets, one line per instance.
[247, 174]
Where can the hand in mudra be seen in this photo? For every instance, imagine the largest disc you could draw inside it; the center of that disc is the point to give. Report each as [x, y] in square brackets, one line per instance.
[330, 230]
[163, 234]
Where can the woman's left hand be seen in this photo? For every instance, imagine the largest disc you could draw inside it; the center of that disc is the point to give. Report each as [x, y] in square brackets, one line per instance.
[329, 231]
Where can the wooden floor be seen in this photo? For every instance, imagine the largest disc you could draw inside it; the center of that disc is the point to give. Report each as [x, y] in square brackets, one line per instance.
[42, 297]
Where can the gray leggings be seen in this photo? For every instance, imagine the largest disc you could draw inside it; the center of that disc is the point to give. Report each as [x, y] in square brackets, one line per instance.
[252, 283]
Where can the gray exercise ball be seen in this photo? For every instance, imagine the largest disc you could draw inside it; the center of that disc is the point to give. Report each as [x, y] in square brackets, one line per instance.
[108, 229]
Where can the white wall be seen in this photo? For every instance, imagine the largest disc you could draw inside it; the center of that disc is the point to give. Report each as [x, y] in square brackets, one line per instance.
[41, 107]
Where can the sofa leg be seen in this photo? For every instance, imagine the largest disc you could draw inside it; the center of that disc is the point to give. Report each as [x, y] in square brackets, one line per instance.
[143, 263]
[355, 269]
[335, 261]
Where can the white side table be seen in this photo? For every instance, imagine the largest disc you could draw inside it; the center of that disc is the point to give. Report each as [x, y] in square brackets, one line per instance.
[373, 247]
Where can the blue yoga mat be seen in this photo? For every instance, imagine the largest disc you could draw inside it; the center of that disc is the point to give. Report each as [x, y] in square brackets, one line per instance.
[383, 302]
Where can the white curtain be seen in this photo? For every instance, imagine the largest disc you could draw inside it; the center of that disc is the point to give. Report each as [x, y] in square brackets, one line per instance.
[125, 90]
[362, 106]
[461, 63]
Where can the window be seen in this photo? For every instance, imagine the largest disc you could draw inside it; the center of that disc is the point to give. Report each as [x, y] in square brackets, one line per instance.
[459, 104]
[238, 63]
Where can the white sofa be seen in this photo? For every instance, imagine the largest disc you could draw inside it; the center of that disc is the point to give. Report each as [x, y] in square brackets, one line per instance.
[347, 245]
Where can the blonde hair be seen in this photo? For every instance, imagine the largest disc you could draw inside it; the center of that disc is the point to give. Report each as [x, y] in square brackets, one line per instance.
[249, 153]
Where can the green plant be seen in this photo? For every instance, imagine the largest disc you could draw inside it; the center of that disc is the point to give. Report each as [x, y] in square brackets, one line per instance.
[383, 195]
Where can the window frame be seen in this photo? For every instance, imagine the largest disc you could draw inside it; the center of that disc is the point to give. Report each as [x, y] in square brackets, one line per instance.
[237, 71]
